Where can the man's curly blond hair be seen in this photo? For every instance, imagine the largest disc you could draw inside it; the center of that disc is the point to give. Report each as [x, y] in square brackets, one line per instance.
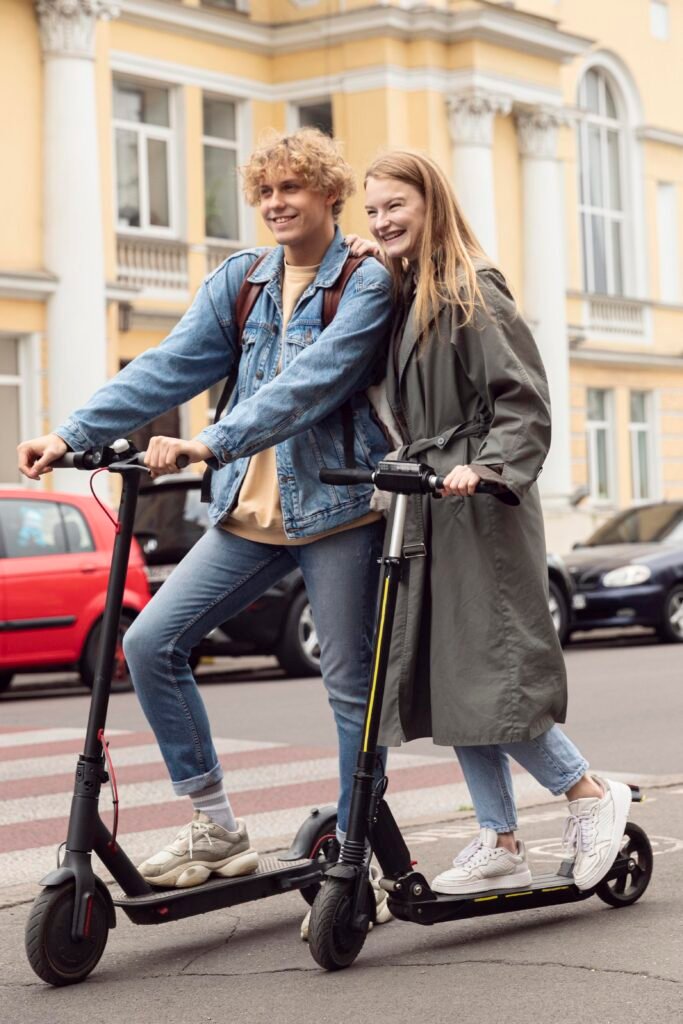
[313, 157]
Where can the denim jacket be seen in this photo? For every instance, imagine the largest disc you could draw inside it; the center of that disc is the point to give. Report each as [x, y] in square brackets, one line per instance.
[297, 409]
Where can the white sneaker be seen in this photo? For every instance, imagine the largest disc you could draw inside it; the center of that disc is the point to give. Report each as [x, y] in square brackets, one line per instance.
[382, 912]
[200, 849]
[482, 865]
[594, 831]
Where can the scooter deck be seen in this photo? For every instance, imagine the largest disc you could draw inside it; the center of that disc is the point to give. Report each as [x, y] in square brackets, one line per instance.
[270, 878]
[433, 908]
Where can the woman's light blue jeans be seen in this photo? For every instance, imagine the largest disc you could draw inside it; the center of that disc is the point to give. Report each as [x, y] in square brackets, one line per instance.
[551, 758]
[219, 577]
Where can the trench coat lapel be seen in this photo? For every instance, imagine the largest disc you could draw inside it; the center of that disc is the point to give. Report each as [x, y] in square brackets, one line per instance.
[407, 346]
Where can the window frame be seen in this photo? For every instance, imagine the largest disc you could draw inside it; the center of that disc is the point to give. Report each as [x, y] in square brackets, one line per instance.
[28, 383]
[145, 132]
[606, 213]
[592, 429]
[235, 146]
[646, 427]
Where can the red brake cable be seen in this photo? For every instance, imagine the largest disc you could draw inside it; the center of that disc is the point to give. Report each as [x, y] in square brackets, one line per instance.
[115, 523]
[114, 787]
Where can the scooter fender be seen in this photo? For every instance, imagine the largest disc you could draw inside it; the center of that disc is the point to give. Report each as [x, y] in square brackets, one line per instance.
[316, 824]
[64, 874]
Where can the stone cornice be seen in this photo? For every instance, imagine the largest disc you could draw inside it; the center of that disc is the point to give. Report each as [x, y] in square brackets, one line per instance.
[67, 27]
[27, 284]
[649, 360]
[650, 133]
[489, 23]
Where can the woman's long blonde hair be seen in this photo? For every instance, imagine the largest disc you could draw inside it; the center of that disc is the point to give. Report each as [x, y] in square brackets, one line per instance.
[448, 248]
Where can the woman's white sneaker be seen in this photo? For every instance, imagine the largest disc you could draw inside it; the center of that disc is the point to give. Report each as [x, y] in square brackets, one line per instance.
[482, 866]
[594, 831]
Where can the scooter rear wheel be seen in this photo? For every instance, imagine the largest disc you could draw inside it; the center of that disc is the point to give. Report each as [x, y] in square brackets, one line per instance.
[51, 951]
[334, 944]
[621, 892]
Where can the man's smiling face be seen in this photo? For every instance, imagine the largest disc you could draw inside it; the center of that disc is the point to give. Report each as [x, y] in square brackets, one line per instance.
[293, 212]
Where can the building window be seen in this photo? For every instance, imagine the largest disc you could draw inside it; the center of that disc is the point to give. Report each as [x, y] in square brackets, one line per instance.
[221, 207]
[599, 439]
[659, 19]
[640, 433]
[667, 242]
[143, 133]
[10, 408]
[601, 190]
[317, 115]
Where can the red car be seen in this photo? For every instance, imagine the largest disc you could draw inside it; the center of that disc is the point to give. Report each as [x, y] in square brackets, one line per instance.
[55, 552]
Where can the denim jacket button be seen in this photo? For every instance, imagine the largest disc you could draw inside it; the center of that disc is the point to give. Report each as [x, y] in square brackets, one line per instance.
[259, 375]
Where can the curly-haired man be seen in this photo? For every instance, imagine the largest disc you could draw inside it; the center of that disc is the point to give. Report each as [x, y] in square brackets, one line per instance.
[268, 508]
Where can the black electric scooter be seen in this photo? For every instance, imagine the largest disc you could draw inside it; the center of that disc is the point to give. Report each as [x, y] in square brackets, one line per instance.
[345, 904]
[69, 922]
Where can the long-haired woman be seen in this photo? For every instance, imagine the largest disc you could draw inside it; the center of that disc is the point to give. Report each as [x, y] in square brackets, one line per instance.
[475, 661]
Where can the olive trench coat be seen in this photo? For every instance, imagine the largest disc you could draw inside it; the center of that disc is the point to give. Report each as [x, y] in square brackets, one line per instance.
[474, 656]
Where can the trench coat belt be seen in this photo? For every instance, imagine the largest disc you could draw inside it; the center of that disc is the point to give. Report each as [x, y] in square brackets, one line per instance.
[471, 428]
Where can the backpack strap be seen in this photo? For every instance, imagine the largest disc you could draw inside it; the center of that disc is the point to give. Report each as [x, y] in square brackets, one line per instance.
[331, 302]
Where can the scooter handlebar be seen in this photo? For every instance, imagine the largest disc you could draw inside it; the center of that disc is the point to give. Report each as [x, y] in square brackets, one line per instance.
[398, 478]
[96, 458]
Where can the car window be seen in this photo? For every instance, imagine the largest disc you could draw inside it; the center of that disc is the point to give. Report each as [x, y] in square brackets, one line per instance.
[639, 526]
[675, 534]
[31, 528]
[77, 531]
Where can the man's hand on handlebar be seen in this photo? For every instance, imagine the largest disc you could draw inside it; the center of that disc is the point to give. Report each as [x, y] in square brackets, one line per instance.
[461, 481]
[163, 453]
[36, 455]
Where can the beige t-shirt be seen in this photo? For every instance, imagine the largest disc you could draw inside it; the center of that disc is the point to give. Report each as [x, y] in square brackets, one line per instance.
[258, 513]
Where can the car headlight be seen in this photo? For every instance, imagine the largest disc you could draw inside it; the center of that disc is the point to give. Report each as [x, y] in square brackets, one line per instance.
[627, 576]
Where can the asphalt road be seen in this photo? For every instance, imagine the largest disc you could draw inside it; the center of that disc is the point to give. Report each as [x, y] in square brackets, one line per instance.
[579, 963]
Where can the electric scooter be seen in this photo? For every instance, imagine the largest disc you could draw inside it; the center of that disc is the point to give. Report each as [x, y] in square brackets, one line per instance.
[344, 906]
[69, 922]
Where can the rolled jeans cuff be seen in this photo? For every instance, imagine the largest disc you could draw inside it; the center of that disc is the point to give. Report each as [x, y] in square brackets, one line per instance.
[186, 787]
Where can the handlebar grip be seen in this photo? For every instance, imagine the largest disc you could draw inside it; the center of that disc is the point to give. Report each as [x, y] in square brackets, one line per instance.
[139, 460]
[483, 487]
[67, 461]
[346, 476]
[84, 460]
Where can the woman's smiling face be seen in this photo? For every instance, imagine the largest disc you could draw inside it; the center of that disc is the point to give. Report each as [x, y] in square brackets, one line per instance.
[396, 215]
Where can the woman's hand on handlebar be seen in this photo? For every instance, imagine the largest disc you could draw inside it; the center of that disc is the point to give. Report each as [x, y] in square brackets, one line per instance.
[35, 456]
[163, 453]
[461, 482]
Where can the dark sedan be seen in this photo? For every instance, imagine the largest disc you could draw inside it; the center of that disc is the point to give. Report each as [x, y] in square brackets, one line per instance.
[630, 572]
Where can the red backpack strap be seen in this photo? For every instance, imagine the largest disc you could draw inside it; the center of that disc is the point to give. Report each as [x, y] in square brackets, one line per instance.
[247, 296]
[333, 295]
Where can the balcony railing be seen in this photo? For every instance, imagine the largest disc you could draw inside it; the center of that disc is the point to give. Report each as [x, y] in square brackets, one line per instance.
[152, 263]
[617, 316]
[215, 254]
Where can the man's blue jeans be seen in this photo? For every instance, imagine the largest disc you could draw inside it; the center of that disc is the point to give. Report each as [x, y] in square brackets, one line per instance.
[219, 577]
[551, 758]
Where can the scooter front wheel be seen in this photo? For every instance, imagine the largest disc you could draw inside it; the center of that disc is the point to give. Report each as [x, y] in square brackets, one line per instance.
[333, 942]
[51, 951]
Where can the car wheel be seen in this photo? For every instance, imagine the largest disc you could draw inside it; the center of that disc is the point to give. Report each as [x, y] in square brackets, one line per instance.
[299, 650]
[92, 646]
[671, 627]
[5, 680]
[559, 611]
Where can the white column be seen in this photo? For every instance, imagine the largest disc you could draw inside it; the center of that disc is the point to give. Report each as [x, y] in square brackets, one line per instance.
[73, 243]
[544, 282]
[470, 115]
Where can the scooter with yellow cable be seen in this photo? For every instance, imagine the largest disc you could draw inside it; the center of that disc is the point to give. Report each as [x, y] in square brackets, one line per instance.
[344, 906]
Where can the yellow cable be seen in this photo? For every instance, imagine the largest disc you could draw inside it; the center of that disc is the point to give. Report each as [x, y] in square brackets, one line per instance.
[380, 635]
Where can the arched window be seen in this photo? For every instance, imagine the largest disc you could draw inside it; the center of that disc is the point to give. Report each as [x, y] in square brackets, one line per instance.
[602, 199]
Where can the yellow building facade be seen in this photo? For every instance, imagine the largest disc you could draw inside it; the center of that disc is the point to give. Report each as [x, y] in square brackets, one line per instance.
[121, 125]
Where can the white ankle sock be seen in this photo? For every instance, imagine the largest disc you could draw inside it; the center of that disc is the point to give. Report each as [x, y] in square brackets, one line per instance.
[213, 801]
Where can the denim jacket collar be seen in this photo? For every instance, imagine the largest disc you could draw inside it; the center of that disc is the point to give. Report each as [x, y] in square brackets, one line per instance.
[329, 271]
